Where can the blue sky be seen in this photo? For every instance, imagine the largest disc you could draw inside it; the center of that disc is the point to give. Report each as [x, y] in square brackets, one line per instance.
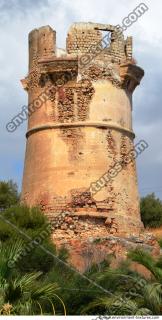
[19, 17]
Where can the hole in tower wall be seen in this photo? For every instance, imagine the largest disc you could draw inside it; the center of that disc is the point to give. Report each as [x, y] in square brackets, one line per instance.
[125, 50]
[106, 39]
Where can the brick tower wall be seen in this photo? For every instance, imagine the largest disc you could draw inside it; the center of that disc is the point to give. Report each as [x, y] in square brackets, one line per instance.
[79, 126]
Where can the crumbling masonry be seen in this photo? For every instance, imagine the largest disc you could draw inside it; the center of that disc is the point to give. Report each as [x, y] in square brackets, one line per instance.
[80, 131]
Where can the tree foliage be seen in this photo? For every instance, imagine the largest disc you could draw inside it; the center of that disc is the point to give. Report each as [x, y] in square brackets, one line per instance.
[151, 211]
[31, 226]
[8, 194]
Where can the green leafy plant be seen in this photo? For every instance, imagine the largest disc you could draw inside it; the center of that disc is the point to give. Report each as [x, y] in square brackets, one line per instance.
[24, 294]
[151, 211]
[8, 194]
[32, 226]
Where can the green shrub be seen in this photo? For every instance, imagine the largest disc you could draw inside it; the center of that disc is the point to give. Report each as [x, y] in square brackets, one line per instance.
[38, 258]
[151, 211]
[160, 243]
[25, 218]
[8, 194]
[23, 222]
[32, 226]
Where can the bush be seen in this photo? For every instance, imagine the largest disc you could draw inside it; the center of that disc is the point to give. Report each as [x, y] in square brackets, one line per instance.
[151, 211]
[160, 243]
[8, 194]
[20, 219]
[32, 226]
[38, 258]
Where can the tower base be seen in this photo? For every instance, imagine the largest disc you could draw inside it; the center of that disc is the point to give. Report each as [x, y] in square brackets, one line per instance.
[91, 239]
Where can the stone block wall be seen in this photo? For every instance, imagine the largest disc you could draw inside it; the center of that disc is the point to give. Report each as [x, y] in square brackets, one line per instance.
[42, 43]
[88, 38]
[82, 37]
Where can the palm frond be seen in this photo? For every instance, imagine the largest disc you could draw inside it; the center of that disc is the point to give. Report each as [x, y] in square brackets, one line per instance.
[53, 307]
[26, 281]
[143, 312]
[152, 295]
[104, 303]
[62, 302]
[145, 259]
[45, 292]
[8, 257]
[24, 308]
[117, 306]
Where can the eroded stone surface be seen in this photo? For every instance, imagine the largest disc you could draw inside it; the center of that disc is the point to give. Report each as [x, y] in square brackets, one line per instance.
[80, 127]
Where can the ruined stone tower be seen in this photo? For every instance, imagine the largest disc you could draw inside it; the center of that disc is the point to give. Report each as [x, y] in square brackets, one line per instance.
[79, 135]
